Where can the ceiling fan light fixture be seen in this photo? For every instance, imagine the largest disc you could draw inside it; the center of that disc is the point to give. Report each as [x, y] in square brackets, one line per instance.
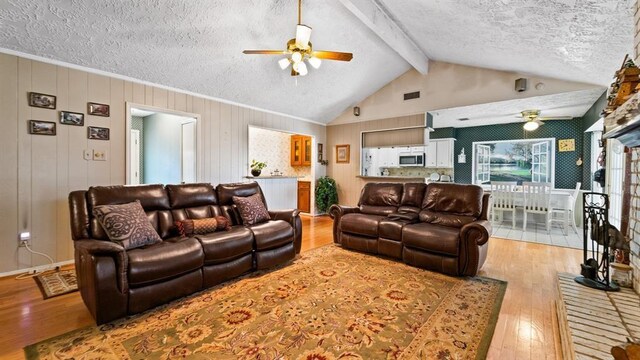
[296, 57]
[284, 63]
[531, 125]
[301, 68]
[315, 62]
[303, 35]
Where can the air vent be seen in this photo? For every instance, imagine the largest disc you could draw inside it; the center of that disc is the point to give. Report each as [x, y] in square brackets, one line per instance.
[463, 119]
[412, 95]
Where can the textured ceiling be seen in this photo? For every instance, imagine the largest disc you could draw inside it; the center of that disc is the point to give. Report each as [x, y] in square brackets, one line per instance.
[574, 104]
[197, 45]
[577, 40]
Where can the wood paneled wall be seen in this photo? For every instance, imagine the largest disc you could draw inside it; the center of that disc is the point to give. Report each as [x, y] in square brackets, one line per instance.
[345, 175]
[38, 172]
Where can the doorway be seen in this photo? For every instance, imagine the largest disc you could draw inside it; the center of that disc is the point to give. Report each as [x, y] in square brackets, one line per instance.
[161, 146]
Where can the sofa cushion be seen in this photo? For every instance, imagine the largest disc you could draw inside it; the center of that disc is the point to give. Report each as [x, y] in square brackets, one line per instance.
[163, 261]
[362, 224]
[454, 198]
[378, 210]
[392, 229]
[433, 238]
[191, 195]
[126, 224]
[381, 194]
[271, 234]
[224, 246]
[445, 219]
[251, 209]
[413, 194]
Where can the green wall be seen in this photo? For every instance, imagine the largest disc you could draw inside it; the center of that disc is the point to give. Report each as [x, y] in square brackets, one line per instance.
[567, 172]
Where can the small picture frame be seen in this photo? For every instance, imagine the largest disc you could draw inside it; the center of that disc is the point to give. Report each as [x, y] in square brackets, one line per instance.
[98, 109]
[320, 152]
[97, 133]
[71, 118]
[343, 154]
[42, 100]
[37, 127]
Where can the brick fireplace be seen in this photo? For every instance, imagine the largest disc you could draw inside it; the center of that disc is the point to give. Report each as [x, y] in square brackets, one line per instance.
[634, 208]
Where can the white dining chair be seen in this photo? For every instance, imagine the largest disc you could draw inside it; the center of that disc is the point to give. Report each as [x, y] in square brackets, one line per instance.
[503, 198]
[537, 200]
[566, 211]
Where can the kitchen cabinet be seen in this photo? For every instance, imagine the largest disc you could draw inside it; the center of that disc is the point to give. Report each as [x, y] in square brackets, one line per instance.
[304, 196]
[300, 150]
[439, 153]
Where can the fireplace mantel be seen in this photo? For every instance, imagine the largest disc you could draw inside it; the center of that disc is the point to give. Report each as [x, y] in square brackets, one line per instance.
[624, 123]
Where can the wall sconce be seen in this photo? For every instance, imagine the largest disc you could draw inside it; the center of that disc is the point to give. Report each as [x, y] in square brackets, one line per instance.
[462, 158]
[356, 111]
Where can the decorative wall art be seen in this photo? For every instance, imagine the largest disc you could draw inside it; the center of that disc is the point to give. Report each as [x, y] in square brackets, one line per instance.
[37, 127]
[342, 154]
[98, 133]
[71, 118]
[98, 109]
[42, 100]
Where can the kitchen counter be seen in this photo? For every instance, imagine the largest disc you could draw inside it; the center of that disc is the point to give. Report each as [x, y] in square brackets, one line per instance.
[391, 177]
[271, 177]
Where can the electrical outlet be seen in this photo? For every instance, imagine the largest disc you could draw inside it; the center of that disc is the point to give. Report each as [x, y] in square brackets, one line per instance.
[87, 154]
[24, 238]
[99, 155]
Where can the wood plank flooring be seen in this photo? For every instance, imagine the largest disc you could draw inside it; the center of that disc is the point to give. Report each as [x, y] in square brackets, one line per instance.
[526, 329]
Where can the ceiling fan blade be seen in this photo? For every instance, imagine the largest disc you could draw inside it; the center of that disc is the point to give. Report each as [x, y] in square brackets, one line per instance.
[333, 55]
[303, 35]
[265, 52]
[547, 118]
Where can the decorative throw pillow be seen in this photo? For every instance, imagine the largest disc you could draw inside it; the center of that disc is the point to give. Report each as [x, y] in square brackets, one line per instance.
[191, 227]
[251, 209]
[126, 224]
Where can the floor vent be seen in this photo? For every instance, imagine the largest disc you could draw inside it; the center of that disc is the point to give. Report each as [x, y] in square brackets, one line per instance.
[412, 95]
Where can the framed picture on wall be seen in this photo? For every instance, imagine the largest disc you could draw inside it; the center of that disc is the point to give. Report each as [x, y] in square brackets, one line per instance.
[42, 100]
[319, 152]
[37, 127]
[97, 133]
[342, 154]
[71, 118]
[98, 109]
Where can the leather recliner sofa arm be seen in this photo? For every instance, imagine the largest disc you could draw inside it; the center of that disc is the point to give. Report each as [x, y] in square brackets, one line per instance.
[101, 267]
[474, 237]
[336, 212]
[292, 216]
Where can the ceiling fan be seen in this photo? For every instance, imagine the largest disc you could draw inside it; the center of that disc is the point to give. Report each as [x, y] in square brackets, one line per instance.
[534, 120]
[299, 49]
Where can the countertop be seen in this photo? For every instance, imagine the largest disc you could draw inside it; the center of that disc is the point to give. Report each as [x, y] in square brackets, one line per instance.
[391, 177]
[272, 177]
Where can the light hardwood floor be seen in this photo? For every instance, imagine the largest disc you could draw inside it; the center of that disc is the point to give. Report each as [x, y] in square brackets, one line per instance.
[526, 327]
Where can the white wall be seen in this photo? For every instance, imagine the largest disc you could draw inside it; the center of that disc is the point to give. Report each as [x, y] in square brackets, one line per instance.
[162, 149]
[38, 172]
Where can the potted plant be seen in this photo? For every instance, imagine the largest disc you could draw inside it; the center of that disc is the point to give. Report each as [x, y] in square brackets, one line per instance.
[257, 166]
[326, 193]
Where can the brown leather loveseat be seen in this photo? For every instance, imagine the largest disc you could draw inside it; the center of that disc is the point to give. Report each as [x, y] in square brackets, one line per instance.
[439, 226]
[115, 282]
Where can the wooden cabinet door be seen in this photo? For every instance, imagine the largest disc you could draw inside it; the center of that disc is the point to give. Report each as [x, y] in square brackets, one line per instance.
[306, 150]
[304, 196]
[296, 150]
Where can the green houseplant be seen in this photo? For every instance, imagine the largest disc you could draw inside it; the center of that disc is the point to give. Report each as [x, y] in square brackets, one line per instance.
[326, 193]
[257, 166]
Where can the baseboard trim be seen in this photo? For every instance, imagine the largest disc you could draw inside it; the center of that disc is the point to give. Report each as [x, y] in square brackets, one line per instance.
[36, 268]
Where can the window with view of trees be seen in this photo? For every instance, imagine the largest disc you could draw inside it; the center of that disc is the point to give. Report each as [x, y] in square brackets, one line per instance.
[530, 160]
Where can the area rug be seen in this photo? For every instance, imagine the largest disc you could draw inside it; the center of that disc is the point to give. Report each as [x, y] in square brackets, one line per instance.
[56, 283]
[329, 304]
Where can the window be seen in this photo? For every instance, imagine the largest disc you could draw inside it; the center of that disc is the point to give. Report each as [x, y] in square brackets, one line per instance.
[615, 179]
[514, 160]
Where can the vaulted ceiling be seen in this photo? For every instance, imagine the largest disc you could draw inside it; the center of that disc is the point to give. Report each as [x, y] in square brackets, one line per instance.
[197, 45]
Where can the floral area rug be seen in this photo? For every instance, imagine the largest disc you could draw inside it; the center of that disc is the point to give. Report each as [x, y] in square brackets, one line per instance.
[329, 304]
[57, 283]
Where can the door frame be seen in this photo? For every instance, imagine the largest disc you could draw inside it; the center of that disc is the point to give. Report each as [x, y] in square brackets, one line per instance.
[130, 164]
[182, 165]
[199, 150]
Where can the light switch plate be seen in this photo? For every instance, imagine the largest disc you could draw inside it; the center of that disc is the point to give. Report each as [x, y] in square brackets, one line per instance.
[99, 155]
[87, 154]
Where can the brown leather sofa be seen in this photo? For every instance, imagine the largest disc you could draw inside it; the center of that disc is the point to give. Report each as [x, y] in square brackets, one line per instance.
[114, 282]
[440, 226]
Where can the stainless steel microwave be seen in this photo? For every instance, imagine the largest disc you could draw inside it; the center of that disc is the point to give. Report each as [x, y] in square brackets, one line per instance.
[411, 159]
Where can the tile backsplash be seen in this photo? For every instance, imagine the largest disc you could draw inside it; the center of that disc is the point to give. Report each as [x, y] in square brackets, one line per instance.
[424, 172]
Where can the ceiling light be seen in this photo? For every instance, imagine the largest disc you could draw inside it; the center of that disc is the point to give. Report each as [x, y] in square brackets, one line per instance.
[296, 56]
[284, 63]
[531, 125]
[303, 34]
[315, 62]
[300, 68]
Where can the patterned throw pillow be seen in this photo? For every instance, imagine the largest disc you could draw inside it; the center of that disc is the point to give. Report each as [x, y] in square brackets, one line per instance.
[126, 224]
[251, 209]
[191, 227]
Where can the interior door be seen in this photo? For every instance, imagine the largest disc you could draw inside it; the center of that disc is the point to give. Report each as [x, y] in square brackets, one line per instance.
[483, 164]
[134, 164]
[189, 152]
